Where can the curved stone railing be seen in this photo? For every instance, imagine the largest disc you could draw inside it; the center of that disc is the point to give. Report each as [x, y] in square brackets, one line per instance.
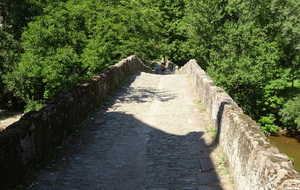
[254, 162]
[31, 138]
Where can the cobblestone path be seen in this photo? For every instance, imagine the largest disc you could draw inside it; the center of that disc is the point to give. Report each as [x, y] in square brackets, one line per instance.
[151, 135]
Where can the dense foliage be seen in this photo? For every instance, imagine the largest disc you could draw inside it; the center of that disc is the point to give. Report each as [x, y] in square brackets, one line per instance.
[9, 54]
[291, 113]
[250, 48]
[14, 17]
[17, 13]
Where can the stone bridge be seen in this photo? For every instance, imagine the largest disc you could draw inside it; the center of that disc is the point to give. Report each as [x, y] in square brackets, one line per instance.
[153, 132]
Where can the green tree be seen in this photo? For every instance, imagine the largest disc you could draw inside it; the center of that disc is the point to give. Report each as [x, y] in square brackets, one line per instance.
[14, 17]
[247, 49]
[72, 41]
[174, 29]
[15, 14]
[289, 34]
[123, 29]
[267, 124]
[10, 50]
[51, 62]
[291, 113]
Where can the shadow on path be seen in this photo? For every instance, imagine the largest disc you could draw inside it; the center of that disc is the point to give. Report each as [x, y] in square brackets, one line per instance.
[141, 95]
[117, 151]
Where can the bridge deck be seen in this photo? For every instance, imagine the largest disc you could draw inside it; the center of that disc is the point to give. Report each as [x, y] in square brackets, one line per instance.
[152, 135]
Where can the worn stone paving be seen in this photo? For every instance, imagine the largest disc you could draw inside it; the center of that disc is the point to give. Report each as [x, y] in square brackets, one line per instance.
[151, 135]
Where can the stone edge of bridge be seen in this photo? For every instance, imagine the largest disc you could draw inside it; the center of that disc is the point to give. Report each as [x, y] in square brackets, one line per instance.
[29, 140]
[254, 162]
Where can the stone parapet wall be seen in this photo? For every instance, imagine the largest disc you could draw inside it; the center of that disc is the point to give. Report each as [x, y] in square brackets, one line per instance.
[254, 162]
[25, 142]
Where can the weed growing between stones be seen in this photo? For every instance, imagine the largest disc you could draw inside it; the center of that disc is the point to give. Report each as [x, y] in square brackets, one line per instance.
[199, 102]
[222, 160]
[291, 159]
[212, 130]
[202, 110]
[222, 166]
